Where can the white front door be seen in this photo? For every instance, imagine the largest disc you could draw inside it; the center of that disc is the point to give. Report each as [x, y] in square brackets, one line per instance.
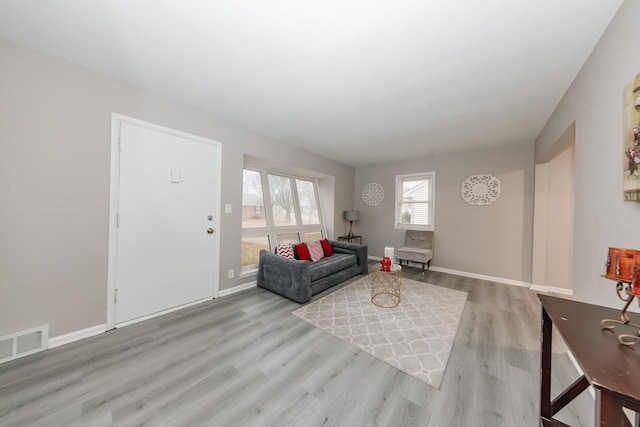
[166, 220]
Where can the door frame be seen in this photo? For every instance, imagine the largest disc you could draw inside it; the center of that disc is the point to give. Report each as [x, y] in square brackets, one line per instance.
[114, 196]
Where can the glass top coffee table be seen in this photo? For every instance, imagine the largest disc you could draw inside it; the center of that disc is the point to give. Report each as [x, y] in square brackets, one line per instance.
[385, 286]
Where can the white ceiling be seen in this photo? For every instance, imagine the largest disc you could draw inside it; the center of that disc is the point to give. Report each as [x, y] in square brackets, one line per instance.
[360, 81]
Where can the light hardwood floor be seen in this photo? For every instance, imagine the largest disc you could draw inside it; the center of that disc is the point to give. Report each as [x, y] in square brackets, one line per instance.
[244, 360]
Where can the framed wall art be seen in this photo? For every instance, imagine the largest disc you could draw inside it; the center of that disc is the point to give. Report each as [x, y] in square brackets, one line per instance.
[631, 134]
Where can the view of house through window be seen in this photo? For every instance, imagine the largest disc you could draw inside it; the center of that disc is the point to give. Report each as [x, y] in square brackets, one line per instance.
[252, 200]
[415, 203]
[277, 208]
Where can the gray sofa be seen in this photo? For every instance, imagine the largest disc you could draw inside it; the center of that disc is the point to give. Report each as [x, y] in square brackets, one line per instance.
[300, 280]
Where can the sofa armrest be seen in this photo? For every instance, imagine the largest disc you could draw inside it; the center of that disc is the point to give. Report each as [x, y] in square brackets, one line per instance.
[360, 251]
[287, 277]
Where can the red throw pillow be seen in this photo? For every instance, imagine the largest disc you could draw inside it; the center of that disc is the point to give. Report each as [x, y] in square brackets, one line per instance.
[326, 247]
[302, 252]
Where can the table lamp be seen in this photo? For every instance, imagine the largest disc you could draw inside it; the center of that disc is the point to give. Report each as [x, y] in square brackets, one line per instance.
[351, 216]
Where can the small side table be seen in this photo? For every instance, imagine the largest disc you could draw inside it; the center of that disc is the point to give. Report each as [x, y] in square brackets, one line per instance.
[385, 286]
[350, 239]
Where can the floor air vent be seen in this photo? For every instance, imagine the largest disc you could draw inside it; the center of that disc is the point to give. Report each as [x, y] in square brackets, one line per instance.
[23, 343]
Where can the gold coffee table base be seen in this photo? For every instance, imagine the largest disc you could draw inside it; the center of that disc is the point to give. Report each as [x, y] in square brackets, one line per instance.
[385, 286]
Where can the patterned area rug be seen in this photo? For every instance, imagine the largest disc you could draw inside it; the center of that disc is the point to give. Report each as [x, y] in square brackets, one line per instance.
[415, 337]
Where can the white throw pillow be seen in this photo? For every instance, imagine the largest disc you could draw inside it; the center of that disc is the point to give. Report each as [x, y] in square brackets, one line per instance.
[285, 250]
[315, 249]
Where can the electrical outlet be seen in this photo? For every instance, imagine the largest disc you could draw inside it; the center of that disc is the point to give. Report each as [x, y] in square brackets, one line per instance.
[227, 208]
[231, 273]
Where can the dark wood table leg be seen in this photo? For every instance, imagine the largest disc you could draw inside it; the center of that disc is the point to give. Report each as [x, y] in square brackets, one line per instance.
[609, 411]
[545, 367]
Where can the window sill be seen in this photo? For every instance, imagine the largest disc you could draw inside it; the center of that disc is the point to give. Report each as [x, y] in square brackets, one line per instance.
[415, 227]
[248, 273]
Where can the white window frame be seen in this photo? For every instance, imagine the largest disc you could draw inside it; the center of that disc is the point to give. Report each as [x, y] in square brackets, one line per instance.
[431, 177]
[271, 229]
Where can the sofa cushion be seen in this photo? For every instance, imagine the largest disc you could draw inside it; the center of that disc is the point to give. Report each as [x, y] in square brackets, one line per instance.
[329, 265]
[315, 250]
[285, 250]
[326, 247]
[333, 279]
[302, 252]
[415, 254]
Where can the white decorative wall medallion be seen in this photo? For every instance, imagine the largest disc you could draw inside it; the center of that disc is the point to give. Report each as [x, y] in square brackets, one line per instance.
[481, 190]
[373, 194]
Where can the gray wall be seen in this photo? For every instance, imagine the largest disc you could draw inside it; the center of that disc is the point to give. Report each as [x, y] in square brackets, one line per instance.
[54, 164]
[594, 102]
[494, 240]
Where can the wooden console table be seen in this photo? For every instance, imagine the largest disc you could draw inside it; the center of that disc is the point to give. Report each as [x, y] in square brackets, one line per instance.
[611, 368]
[350, 239]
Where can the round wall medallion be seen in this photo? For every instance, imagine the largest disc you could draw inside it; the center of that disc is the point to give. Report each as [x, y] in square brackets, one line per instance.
[373, 194]
[481, 190]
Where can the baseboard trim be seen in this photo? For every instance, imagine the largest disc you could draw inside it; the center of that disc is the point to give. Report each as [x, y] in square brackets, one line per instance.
[163, 312]
[236, 289]
[77, 335]
[482, 277]
[547, 289]
[102, 328]
[467, 274]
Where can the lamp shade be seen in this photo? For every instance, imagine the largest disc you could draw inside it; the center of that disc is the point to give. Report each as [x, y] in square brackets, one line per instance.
[351, 215]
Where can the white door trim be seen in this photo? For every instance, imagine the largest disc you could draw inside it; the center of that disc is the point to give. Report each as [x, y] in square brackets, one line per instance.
[114, 194]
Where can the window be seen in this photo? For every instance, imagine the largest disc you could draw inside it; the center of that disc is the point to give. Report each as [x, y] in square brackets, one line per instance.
[285, 238]
[281, 200]
[277, 208]
[307, 200]
[313, 235]
[415, 201]
[251, 247]
[252, 200]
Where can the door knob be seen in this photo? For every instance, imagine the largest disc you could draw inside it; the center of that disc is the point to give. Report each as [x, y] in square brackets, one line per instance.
[210, 230]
